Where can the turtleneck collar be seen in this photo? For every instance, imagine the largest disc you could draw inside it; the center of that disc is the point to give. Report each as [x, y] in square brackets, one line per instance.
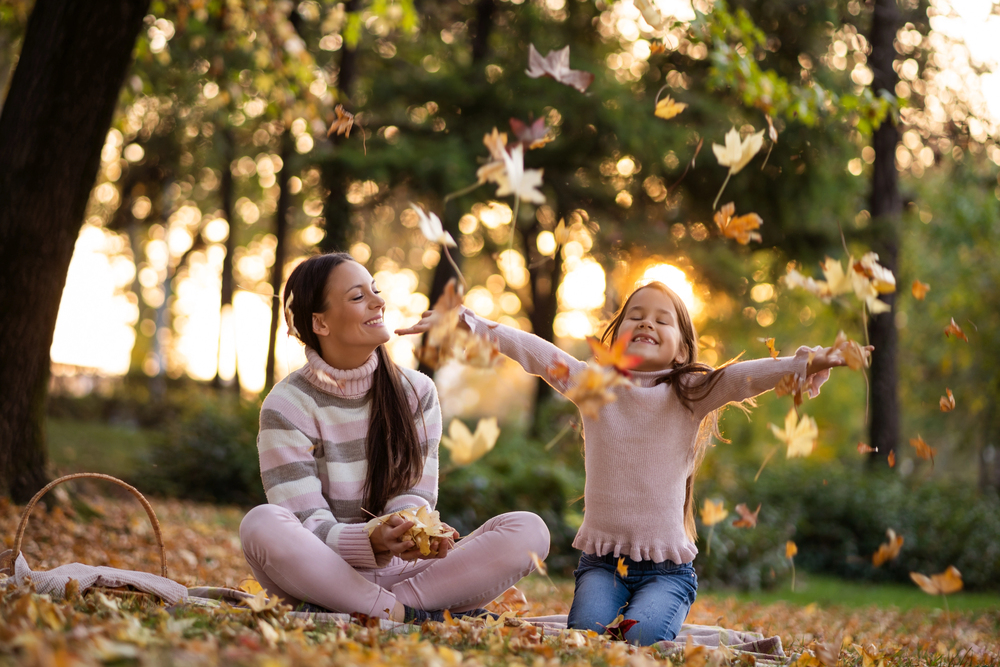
[648, 378]
[353, 383]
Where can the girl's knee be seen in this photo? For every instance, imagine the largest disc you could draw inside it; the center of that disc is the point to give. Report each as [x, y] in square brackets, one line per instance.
[532, 531]
[260, 521]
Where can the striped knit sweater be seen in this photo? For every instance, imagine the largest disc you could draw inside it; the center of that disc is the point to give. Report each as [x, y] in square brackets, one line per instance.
[640, 449]
[313, 426]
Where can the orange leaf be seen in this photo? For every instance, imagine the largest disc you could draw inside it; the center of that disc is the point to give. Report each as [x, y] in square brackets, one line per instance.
[592, 387]
[790, 549]
[770, 347]
[657, 47]
[920, 290]
[747, 518]
[892, 459]
[954, 330]
[538, 563]
[343, 123]
[622, 567]
[949, 581]
[740, 227]
[614, 357]
[855, 355]
[889, 550]
[924, 450]
[947, 402]
[866, 449]
[558, 371]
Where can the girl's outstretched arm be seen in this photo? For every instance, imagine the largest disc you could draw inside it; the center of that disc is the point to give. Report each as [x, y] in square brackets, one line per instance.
[535, 355]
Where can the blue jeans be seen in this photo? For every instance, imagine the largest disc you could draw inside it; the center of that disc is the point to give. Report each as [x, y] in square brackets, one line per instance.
[657, 595]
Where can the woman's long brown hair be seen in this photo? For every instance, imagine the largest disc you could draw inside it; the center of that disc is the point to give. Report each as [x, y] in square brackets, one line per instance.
[394, 456]
[692, 381]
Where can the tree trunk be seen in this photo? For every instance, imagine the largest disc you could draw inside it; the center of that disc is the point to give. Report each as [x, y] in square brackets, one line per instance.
[53, 125]
[228, 284]
[886, 206]
[482, 28]
[278, 268]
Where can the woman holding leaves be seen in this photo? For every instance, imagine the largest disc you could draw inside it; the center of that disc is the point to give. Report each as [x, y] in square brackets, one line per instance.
[351, 436]
[644, 443]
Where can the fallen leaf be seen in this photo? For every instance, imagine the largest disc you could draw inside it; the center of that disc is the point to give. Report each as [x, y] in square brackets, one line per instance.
[924, 450]
[799, 435]
[556, 66]
[888, 550]
[790, 549]
[667, 108]
[712, 512]
[538, 563]
[920, 290]
[892, 459]
[739, 228]
[949, 581]
[747, 518]
[947, 402]
[260, 602]
[467, 447]
[954, 330]
[426, 525]
[617, 628]
[343, 123]
[250, 585]
[622, 568]
[615, 356]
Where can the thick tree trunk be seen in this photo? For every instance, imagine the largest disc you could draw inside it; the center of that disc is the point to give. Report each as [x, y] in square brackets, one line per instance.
[280, 250]
[886, 206]
[54, 122]
[228, 284]
[482, 28]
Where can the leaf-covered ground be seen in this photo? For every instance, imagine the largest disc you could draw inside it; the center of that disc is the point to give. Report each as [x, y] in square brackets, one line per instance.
[203, 549]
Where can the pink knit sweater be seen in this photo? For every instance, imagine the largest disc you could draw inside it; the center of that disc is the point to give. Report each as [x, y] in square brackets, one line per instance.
[640, 450]
[313, 428]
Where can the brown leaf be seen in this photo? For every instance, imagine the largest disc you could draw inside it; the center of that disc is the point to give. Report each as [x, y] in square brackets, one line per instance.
[947, 402]
[888, 550]
[866, 449]
[949, 581]
[892, 459]
[924, 450]
[954, 330]
[556, 66]
[856, 356]
[747, 518]
[343, 123]
[538, 563]
[920, 290]
[740, 228]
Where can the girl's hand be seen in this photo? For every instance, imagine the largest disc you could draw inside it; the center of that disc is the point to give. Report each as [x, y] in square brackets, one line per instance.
[387, 537]
[829, 357]
[440, 546]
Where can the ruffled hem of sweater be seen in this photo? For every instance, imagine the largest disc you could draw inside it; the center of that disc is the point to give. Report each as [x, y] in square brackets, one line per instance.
[651, 552]
[353, 383]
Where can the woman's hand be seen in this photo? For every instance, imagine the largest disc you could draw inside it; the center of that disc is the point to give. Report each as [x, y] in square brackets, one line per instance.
[427, 321]
[388, 537]
[830, 357]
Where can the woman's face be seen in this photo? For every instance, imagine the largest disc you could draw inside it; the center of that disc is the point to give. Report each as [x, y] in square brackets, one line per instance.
[650, 325]
[350, 326]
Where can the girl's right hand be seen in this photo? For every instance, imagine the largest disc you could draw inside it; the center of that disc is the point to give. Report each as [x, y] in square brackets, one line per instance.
[388, 537]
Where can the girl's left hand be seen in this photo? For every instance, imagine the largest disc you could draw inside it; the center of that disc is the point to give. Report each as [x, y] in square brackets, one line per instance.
[440, 546]
[830, 357]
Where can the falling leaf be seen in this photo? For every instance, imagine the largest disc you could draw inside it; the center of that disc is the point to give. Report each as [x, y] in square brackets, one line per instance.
[622, 568]
[892, 459]
[772, 133]
[747, 518]
[881, 278]
[289, 317]
[949, 581]
[556, 66]
[712, 512]
[866, 449]
[561, 232]
[736, 154]
[739, 228]
[920, 290]
[558, 372]
[538, 563]
[790, 549]
[617, 628]
[791, 384]
[888, 550]
[769, 342]
[518, 181]
[615, 356]
[343, 123]
[856, 356]
[924, 450]
[667, 108]
[467, 447]
[656, 46]
[947, 402]
[798, 435]
[432, 229]
[534, 135]
[954, 330]
[650, 13]
[591, 388]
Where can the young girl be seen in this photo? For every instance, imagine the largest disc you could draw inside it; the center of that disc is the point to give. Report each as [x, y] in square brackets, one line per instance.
[349, 436]
[642, 453]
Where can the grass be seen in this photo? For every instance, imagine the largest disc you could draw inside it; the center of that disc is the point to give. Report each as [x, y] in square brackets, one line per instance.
[84, 446]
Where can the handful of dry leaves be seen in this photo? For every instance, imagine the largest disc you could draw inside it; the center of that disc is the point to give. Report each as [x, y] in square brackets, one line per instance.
[426, 524]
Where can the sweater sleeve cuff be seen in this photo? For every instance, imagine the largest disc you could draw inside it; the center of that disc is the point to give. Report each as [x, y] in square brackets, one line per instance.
[355, 547]
[816, 380]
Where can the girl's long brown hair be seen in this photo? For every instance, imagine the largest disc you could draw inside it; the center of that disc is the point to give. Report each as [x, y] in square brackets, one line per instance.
[692, 381]
[393, 452]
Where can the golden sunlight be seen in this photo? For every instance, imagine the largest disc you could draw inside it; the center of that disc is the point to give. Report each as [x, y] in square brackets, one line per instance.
[676, 280]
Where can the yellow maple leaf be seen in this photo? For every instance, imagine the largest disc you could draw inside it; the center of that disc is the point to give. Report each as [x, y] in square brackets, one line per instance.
[949, 581]
[888, 550]
[771, 349]
[799, 435]
[667, 108]
[738, 227]
[712, 512]
[465, 446]
[790, 549]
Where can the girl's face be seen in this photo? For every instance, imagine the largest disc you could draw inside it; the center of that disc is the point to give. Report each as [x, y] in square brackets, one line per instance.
[350, 327]
[650, 326]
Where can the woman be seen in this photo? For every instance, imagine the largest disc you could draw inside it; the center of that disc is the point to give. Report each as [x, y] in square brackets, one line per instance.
[350, 436]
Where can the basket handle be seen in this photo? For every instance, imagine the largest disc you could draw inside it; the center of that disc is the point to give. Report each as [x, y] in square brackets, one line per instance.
[16, 550]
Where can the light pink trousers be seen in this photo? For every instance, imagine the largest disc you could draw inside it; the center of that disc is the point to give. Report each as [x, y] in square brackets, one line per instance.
[289, 561]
